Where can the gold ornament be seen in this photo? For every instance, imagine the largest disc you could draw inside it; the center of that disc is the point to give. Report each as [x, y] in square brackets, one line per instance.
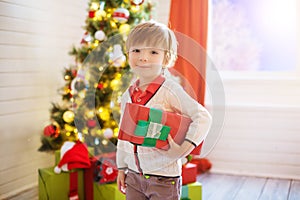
[124, 28]
[95, 6]
[114, 84]
[99, 131]
[69, 128]
[135, 9]
[113, 24]
[67, 90]
[104, 113]
[118, 76]
[100, 14]
[95, 44]
[68, 134]
[85, 130]
[104, 142]
[89, 114]
[67, 77]
[68, 116]
[105, 85]
[116, 132]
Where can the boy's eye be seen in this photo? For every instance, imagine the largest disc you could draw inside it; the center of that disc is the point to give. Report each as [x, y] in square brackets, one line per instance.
[154, 52]
[136, 50]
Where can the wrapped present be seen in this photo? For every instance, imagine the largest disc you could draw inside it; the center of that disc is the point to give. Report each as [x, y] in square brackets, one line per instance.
[103, 170]
[107, 192]
[73, 155]
[189, 173]
[150, 127]
[54, 186]
[192, 191]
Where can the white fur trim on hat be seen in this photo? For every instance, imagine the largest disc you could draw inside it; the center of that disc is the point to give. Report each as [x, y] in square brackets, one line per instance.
[57, 170]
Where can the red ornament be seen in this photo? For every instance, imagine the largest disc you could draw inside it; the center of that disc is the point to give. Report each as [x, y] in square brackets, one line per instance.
[121, 15]
[100, 86]
[91, 123]
[74, 72]
[50, 131]
[92, 13]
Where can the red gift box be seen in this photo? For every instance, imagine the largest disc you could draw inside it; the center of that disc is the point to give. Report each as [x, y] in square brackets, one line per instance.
[176, 124]
[103, 170]
[189, 173]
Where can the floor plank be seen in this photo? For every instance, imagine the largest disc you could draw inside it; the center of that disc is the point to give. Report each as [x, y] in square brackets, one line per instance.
[30, 194]
[275, 189]
[216, 187]
[231, 187]
[295, 190]
[251, 189]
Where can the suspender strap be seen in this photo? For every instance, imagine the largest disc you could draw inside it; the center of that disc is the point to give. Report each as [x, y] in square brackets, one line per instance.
[137, 161]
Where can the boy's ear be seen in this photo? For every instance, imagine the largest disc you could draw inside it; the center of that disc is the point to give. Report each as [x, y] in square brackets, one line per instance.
[167, 59]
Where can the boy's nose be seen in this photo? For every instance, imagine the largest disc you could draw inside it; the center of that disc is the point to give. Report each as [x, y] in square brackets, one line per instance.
[143, 59]
[143, 56]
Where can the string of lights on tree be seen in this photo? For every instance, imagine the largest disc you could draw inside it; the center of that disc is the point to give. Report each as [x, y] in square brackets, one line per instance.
[90, 110]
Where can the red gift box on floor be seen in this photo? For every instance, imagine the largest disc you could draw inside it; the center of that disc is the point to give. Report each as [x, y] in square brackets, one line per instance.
[103, 170]
[189, 173]
[150, 127]
[203, 164]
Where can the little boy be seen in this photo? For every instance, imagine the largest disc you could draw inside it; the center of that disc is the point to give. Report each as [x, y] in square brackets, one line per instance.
[148, 172]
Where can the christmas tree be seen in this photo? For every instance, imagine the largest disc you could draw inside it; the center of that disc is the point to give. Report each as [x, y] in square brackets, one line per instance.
[90, 109]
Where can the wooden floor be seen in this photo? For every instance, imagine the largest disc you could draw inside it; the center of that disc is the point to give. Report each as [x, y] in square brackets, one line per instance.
[228, 187]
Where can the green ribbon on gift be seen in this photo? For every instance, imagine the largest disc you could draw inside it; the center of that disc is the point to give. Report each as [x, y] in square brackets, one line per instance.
[152, 129]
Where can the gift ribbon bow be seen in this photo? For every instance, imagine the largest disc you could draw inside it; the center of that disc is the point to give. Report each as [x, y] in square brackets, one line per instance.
[152, 130]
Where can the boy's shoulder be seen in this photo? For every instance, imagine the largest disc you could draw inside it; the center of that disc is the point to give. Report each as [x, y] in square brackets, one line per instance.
[172, 84]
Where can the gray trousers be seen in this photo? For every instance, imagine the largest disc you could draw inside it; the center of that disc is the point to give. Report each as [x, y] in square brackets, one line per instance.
[143, 187]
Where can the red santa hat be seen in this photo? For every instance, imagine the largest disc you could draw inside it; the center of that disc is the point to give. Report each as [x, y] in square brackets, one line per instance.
[73, 156]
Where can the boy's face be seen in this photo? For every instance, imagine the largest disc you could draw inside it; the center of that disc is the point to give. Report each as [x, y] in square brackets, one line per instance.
[146, 62]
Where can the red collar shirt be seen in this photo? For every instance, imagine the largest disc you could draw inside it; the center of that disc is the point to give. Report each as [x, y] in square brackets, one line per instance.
[142, 97]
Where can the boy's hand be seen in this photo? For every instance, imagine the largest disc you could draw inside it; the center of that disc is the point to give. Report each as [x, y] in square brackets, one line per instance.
[121, 181]
[175, 150]
[178, 151]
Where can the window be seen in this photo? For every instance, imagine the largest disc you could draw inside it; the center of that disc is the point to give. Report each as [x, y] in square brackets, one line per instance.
[256, 35]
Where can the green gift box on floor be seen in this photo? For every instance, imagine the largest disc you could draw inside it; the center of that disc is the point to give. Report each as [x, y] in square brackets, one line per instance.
[192, 191]
[54, 186]
[107, 191]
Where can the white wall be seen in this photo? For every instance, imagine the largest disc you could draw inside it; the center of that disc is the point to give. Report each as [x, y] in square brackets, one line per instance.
[162, 11]
[36, 37]
[261, 131]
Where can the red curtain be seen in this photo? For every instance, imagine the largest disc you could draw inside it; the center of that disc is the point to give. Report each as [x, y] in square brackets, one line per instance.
[189, 20]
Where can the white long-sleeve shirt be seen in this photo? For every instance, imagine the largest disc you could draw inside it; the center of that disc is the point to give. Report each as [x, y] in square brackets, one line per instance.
[172, 98]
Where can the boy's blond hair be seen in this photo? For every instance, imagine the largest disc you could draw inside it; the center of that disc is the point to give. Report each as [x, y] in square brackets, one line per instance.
[156, 35]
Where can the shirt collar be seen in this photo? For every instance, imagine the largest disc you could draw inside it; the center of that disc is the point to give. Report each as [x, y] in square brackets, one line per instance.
[152, 87]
